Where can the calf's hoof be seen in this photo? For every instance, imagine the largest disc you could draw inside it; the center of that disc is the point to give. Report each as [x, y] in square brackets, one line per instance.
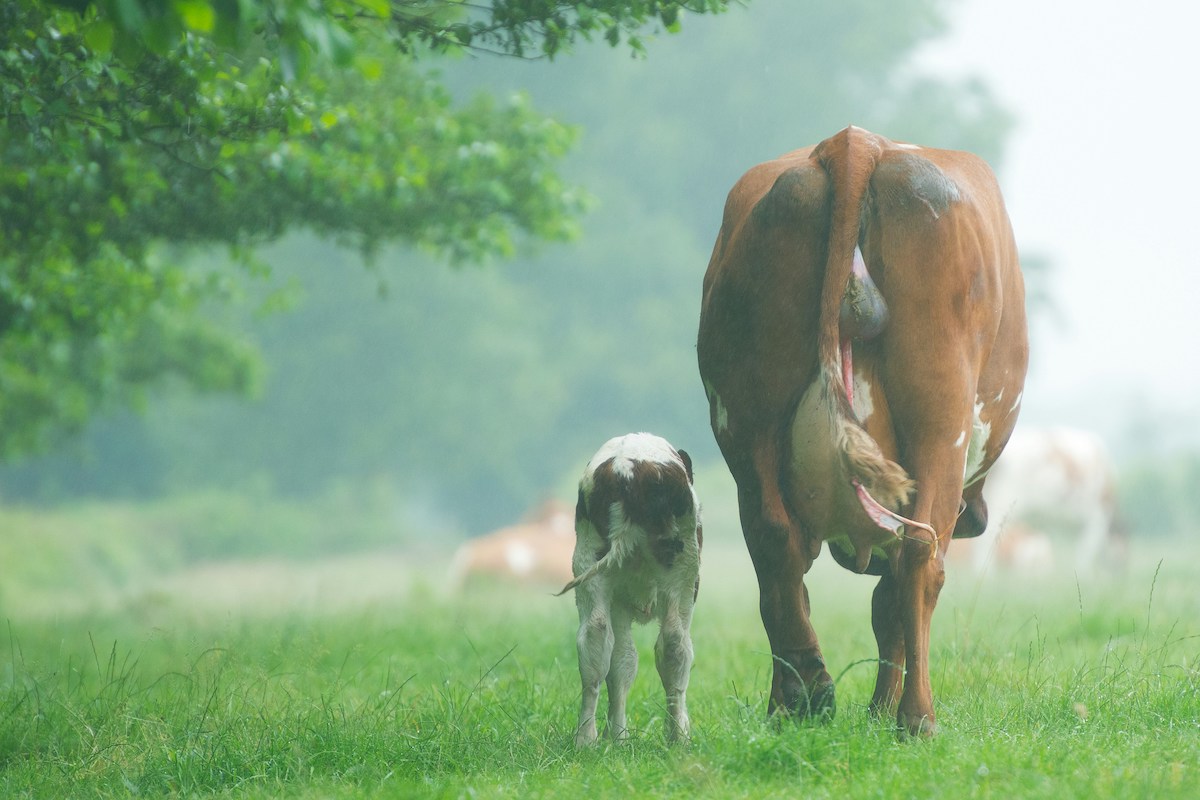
[585, 736]
[678, 730]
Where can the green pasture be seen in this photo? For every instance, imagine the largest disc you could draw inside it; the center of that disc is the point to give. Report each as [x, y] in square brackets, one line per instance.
[362, 676]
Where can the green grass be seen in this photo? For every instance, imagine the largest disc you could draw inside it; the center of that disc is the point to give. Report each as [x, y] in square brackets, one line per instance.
[1048, 688]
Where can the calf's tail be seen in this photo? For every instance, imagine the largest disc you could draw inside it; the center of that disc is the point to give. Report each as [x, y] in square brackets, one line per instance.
[622, 540]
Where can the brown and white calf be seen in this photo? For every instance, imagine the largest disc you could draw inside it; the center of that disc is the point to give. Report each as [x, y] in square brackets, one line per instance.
[637, 558]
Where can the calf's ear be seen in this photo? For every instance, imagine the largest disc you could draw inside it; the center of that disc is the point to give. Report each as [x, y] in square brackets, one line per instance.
[580, 507]
[687, 463]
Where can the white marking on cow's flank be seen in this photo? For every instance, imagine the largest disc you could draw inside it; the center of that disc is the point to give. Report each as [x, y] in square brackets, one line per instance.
[976, 447]
[720, 413]
[1017, 404]
[962, 437]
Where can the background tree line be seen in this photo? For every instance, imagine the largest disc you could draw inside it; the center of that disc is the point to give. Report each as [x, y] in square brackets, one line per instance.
[475, 390]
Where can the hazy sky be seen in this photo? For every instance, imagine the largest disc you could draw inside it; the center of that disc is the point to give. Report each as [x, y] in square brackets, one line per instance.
[1101, 177]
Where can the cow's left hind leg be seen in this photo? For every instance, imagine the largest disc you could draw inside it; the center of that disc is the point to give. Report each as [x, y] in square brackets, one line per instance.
[673, 657]
[782, 555]
[888, 624]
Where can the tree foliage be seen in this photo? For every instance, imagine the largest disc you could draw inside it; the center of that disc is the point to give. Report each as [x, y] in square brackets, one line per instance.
[136, 130]
[523, 28]
[483, 390]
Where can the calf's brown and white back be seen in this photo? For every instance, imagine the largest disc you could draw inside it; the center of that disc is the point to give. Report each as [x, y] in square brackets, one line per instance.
[637, 558]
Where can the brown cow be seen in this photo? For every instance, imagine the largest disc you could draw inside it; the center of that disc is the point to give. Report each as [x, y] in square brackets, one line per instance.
[862, 343]
[535, 552]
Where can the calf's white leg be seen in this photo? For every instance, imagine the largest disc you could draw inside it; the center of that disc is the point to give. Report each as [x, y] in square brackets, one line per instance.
[595, 645]
[621, 672]
[673, 657]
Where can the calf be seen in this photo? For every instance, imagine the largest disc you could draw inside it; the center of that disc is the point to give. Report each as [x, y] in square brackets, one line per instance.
[637, 557]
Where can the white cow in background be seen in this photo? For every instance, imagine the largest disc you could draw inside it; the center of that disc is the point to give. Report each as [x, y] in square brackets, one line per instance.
[1052, 490]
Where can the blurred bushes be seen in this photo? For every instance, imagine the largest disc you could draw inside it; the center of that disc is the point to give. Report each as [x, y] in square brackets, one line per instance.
[1160, 495]
[92, 547]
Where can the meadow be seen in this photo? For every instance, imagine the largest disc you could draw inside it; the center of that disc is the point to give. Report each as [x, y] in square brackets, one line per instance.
[362, 676]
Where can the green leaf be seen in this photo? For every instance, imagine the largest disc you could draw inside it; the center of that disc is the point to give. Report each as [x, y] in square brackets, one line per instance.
[196, 15]
[98, 36]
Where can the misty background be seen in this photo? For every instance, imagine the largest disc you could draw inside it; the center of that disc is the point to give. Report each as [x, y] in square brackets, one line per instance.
[1098, 181]
[450, 400]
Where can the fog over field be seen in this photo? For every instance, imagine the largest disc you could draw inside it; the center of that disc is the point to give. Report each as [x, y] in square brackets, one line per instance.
[1099, 178]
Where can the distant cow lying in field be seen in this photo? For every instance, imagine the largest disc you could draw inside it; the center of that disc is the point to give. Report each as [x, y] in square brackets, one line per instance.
[1052, 489]
[536, 552]
[637, 557]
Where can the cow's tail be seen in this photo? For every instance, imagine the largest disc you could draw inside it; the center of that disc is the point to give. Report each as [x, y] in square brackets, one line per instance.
[849, 158]
[623, 539]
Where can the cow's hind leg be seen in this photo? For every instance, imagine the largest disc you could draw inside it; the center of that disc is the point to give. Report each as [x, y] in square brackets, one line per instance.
[921, 576]
[673, 657]
[622, 670]
[888, 624]
[800, 684]
[919, 570]
[595, 646]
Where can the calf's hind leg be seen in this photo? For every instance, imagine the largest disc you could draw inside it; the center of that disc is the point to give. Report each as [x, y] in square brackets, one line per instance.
[673, 656]
[595, 646]
[623, 667]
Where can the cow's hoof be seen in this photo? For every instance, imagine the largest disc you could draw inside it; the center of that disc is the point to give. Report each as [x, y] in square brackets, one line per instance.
[909, 726]
[881, 710]
[820, 703]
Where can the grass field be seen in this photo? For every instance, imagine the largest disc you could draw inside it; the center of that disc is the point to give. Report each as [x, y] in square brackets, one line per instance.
[361, 677]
